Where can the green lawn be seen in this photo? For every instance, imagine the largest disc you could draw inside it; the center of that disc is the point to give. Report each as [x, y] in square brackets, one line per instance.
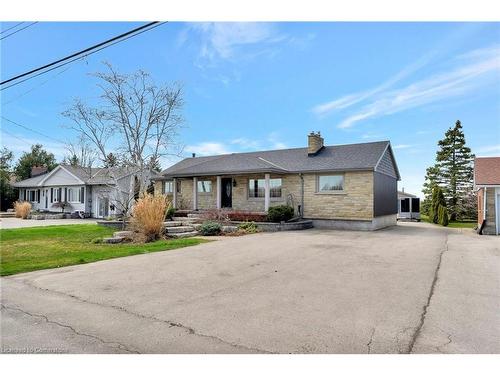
[454, 224]
[30, 249]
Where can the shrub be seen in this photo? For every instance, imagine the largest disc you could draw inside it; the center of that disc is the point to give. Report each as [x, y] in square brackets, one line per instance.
[148, 216]
[280, 213]
[215, 215]
[246, 216]
[248, 227]
[22, 209]
[443, 215]
[210, 228]
[170, 212]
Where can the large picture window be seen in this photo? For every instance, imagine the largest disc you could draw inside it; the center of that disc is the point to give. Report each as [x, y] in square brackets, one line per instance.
[74, 195]
[205, 186]
[330, 183]
[256, 188]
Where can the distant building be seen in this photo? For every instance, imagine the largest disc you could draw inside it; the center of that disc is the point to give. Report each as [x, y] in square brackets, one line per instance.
[408, 206]
[487, 185]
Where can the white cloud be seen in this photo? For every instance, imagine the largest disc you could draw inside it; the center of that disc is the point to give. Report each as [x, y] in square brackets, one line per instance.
[401, 146]
[274, 139]
[246, 143]
[207, 148]
[487, 150]
[220, 40]
[479, 71]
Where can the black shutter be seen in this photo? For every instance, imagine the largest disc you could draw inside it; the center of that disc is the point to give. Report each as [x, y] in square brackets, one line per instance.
[65, 194]
[25, 195]
[59, 195]
[51, 195]
[163, 186]
[38, 195]
[82, 192]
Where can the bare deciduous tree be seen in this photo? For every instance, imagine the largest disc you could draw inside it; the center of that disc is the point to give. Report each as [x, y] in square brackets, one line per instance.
[136, 118]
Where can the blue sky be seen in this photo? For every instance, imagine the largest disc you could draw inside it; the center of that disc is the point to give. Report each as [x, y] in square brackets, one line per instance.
[263, 86]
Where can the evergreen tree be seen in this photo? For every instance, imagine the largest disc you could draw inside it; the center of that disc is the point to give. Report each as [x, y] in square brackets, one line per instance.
[453, 172]
[111, 161]
[431, 179]
[36, 157]
[7, 193]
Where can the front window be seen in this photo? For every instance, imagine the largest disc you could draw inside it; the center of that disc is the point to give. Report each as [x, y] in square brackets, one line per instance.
[169, 187]
[205, 186]
[256, 188]
[330, 183]
[32, 195]
[74, 195]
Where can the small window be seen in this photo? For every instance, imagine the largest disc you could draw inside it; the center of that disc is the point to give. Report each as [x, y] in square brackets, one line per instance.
[169, 187]
[205, 186]
[257, 188]
[32, 195]
[330, 183]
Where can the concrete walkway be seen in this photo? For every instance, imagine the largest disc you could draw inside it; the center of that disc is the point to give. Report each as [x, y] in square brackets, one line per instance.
[10, 223]
[415, 288]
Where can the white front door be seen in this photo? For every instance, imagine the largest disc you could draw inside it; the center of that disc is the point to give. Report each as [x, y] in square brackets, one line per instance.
[102, 207]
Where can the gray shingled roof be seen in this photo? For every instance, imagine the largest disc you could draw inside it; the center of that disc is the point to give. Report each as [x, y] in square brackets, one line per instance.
[90, 176]
[360, 156]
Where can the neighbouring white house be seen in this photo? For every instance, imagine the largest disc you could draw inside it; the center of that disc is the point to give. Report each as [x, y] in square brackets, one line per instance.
[96, 192]
[408, 206]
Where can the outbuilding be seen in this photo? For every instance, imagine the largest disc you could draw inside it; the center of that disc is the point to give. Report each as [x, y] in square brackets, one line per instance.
[487, 185]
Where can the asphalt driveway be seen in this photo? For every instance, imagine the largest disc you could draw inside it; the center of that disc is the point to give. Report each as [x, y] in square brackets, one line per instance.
[414, 288]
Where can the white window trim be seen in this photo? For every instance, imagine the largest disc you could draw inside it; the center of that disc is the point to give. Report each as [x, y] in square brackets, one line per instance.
[78, 193]
[331, 192]
[204, 192]
[28, 195]
[257, 199]
[165, 187]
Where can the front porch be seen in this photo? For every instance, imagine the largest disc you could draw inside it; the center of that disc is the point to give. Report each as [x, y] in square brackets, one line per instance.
[249, 193]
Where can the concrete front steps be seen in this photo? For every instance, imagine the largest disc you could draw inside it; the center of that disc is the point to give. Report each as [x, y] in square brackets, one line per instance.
[179, 229]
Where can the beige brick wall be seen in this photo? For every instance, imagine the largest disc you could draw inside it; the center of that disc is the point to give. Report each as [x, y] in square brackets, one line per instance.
[355, 203]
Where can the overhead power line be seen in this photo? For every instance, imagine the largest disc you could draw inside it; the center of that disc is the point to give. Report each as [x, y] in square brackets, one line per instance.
[18, 30]
[78, 55]
[33, 130]
[10, 28]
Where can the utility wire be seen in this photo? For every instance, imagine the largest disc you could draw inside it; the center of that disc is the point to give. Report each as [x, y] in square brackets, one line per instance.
[80, 54]
[10, 28]
[36, 86]
[18, 30]
[15, 136]
[33, 130]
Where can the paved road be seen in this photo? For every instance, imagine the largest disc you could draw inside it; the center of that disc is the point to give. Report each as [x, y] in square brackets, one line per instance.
[12, 222]
[414, 288]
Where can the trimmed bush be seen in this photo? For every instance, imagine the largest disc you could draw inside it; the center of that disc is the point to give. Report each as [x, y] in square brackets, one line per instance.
[170, 212]
[22, 209]
[279, 213]
[248, 227]
[210, 228]
[443, 216]
[148, 216]
[247, 216]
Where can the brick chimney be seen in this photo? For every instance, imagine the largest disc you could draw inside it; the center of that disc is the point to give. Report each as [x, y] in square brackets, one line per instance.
[314, 144]
[37, 170]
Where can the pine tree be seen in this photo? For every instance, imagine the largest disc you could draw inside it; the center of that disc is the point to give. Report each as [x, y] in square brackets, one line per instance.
[431, 179]
[453, 172]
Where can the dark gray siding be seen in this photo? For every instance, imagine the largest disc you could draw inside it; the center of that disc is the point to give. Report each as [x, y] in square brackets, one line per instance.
[386, 164]
[385, 194]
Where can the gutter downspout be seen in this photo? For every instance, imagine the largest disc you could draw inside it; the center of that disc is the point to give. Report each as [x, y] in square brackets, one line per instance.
[301, 195]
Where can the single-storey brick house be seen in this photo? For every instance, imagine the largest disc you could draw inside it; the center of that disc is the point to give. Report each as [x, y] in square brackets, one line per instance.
[350, 186]
[98, 192]
[487, 185]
